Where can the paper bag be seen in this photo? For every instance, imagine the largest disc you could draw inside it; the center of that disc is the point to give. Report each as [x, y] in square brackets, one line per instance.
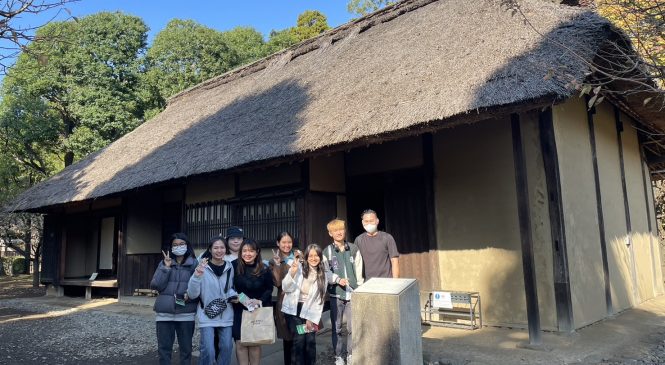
[257, 327]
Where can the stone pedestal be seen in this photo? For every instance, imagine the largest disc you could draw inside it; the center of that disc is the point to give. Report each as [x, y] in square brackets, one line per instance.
[386, 323]
[54, 290]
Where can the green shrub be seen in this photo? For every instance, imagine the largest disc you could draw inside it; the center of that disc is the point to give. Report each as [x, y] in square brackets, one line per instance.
[18, 265]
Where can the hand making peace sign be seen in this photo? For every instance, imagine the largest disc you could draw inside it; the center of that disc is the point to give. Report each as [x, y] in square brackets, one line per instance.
[201, 268]
[167, 258]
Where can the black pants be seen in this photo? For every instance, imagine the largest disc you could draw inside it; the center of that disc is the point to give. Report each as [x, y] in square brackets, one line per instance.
[166, 332]
[304, 346]
[287, 346]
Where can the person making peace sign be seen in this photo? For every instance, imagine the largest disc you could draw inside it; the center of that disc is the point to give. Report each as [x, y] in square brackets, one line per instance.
[175, 312]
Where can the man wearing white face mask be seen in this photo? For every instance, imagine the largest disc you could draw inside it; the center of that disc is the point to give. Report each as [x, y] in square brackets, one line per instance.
[378, 249]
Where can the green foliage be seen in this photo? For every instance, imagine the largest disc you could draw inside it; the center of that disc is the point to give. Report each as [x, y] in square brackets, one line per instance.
[88, 82]
[247, 44]
[310, 24]
[87, 74]
[18, 265]
[186, 53]
[280, 40]
[364, 7]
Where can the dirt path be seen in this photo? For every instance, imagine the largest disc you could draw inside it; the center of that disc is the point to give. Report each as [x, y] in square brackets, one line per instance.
[19, 286]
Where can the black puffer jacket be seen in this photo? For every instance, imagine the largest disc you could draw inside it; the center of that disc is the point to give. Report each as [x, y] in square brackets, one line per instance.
[170, 281]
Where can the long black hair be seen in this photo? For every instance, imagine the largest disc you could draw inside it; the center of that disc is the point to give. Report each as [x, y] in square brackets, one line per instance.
[207, 254]
[320, 270]
[180, 236]
[258, 271]
[287, 234]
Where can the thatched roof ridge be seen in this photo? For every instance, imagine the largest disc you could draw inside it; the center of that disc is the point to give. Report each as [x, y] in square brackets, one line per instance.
[413, 65]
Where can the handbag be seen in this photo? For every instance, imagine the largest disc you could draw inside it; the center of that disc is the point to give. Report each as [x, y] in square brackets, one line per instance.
[215, 307]
[257, 327]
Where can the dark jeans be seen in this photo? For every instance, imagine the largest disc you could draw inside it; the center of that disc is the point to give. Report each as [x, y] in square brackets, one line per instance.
[166, 332]
[340, 310]
[304, 346]
[287, 346]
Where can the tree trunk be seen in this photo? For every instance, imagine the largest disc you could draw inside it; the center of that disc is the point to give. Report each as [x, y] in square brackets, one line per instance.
[28, 246]
[35, 269]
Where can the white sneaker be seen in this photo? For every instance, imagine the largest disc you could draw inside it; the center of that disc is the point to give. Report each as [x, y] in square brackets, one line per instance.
[339, 360]
[349, 360]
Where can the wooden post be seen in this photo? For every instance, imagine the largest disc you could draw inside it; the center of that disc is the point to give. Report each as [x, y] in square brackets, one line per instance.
[523, 211]
[599, 209]
[564, 307]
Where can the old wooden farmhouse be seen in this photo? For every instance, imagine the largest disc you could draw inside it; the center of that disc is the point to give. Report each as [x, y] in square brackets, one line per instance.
[454, 120]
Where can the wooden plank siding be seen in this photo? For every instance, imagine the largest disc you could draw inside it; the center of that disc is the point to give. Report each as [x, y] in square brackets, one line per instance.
[406, 219]
[321, 209]
[138, 272]
[50, 248]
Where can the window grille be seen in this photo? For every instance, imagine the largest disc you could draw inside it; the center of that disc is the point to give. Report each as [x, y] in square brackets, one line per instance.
[261, 220]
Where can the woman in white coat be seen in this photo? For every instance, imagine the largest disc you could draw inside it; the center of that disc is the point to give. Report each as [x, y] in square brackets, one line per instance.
[305, 286]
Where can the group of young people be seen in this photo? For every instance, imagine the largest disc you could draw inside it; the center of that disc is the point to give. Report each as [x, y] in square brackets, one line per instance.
[230, 276]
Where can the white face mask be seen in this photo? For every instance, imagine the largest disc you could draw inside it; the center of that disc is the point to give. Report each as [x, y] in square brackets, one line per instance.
[370, 228]
[179, 251]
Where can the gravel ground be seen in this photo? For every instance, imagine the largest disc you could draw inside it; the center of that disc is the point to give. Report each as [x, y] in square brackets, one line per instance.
[59, 335]
[649, 355]
[53, 334]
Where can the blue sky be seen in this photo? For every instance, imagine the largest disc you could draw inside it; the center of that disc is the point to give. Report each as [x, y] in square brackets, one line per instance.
[222, 15]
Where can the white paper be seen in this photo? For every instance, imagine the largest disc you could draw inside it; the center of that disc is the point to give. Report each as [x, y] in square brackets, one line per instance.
[442, 299]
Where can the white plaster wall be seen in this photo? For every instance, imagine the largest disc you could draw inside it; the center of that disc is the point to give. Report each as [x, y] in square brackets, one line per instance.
[618, 255]
[640, 235]
[476, 214]
[580, 212]
[106, 243]
[658, 258]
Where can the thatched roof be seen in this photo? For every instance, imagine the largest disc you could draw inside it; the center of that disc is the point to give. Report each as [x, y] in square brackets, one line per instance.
[413, 65]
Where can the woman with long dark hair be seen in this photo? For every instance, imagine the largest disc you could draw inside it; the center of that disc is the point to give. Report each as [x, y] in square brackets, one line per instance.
[283, 257]
[213, 283]
[305, 286]
[254, 280]
[175, 312]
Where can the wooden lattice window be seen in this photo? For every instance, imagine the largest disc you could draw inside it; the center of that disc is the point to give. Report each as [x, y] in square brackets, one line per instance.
[261, 219]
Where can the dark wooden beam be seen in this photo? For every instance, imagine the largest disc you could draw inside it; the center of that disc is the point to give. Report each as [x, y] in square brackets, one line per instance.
[524, 214]
[599, 209]
[122, 248]
[562, 295]
[430, 207]
[626, 206]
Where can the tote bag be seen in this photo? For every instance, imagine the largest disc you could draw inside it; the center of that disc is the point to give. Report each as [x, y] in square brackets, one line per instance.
[257, 327]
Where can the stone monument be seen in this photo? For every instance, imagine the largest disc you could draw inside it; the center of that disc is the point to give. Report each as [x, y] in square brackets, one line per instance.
[386, 323]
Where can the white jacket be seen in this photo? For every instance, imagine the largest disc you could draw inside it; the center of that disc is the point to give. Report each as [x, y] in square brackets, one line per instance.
[313, 307]
[209, 286]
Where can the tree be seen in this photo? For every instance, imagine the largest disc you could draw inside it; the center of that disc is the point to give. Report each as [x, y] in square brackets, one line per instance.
[637, 65]
[87, 71]
[246, 42]
[309, 24]
[643, 21]
[14, 37]
[364, 7]
[186, 53]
